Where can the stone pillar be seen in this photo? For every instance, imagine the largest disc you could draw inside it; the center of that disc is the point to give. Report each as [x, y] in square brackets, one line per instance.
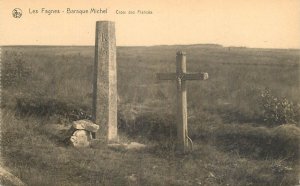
[105, 81]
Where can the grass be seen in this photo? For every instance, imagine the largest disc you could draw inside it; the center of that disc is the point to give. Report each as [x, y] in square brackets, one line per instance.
[39, 160]
[233, 145]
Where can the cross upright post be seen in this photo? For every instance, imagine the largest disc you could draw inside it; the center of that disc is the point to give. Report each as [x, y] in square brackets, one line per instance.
[182, 131]
[181, 117]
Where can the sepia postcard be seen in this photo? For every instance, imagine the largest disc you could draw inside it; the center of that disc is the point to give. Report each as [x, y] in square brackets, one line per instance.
[138, 93]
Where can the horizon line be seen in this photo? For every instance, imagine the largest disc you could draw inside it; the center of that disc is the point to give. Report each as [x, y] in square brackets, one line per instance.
[216, 45]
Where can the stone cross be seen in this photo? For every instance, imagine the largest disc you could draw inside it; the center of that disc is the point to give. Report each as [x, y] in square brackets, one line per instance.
[181, 76]
[104, 112]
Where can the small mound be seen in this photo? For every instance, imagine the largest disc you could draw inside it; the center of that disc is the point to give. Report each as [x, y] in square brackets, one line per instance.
[278, 142]
[287, 131]
[285, 140]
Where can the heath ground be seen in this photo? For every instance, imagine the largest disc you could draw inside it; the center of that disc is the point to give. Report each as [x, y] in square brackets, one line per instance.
[244, 120]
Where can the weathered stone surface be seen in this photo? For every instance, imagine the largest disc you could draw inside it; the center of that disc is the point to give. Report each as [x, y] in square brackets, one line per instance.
[81, 138]
[85, 125]
[105, 81]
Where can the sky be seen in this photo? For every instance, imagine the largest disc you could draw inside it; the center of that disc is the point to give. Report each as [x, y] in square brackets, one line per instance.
[254, 23]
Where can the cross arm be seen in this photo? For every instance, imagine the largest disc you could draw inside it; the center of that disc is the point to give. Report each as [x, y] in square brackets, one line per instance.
[196, 76]
[166, 76]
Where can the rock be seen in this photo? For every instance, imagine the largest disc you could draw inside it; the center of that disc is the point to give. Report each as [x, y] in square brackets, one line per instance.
[135, 146]
[81, 138]
[85, 125]
[6, 178]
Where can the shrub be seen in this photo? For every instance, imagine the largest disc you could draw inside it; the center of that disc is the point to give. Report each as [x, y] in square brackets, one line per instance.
[276, 111]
